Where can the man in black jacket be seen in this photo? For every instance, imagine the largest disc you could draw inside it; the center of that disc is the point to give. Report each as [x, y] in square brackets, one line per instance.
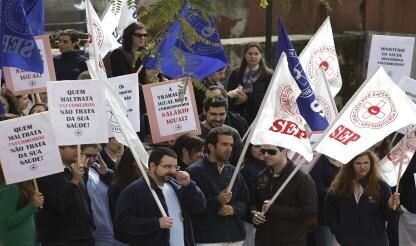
[66, 215]
[138, 216]
[221, 222]
[285, 222]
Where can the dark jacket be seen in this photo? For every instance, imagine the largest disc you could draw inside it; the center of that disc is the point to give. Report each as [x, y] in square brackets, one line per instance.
[107, 159]
[66, 215]
[249, 109]
[287, 219]
[69, 65]
[359, 224]
[323, 173]
[407, 187]
[209, 227]
[137, 214]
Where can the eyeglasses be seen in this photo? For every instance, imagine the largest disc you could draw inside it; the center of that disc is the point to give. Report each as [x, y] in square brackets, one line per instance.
[140, 35]
[269, 151]
[176, 167]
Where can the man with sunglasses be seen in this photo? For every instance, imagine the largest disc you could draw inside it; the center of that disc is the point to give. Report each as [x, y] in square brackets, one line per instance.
[286, 221]
[138, 216]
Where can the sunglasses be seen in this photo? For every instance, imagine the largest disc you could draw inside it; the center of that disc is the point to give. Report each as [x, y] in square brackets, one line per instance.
[140, 35]
[269, 151]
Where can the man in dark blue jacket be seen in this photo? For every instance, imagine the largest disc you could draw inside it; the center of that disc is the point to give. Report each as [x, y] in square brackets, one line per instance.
[138, 216]
[221, 223]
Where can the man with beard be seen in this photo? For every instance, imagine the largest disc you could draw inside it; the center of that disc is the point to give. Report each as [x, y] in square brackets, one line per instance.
[138, 216]
[221, 222]
[215, 109]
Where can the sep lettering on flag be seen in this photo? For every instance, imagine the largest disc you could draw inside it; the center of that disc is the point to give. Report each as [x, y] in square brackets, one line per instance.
[279, 122]
[378, 108]
[389, 165]
[310, 109]
[18, 47]
[201, 58]
[320, 53]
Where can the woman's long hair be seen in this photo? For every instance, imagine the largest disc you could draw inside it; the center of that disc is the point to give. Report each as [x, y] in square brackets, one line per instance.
[127, 170]
[343, 183]
[265, 70]
[128, 34]
[25, 188]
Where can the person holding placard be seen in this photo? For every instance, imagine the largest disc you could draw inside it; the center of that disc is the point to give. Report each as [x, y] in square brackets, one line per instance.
[66, 218]
[359, 203]
[286, 221]
[18, 204]
[138, 216]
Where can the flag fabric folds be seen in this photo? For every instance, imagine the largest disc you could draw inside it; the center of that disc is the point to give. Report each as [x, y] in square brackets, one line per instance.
[310, 109]
[320, 52]
[177, 56]
[18, 48]
[35, 15]
[115, 19]
[389, 165]
[278, 121]
[378, 108]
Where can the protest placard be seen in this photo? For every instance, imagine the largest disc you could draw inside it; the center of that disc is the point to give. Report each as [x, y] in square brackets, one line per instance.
[20, 81]
[171, 109]
[394, 53]
[28, 148]
[127, 88]
[78, 111]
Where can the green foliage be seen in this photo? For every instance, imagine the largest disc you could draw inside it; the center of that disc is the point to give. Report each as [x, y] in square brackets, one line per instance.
[117, 4]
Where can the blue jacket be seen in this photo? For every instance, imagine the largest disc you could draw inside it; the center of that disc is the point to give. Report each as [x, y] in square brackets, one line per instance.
[209, 227]
[137, 215]
[361, 224]
[69, 65]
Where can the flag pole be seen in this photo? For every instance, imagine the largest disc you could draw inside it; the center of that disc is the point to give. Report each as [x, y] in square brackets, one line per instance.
[253, 126]
[399, 175]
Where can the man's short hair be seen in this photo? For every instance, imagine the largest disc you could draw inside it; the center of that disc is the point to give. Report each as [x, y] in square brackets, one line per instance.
[212, 137]
[215, 102]
[159, 152]
[73, 34]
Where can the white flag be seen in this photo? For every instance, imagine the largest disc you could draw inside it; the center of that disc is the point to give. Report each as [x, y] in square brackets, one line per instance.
[389, 165]
[99, 43]
[116, 18]
[378, 108]
[279, 122]
[320, 52]
[324, 97]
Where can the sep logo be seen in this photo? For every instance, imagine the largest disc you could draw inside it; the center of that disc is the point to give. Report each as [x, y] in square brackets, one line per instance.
[325, 57]
[375, 110]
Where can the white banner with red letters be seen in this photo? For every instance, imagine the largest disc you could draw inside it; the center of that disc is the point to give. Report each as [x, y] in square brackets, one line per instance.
[279, 122]
[28, 148]
[378, 108]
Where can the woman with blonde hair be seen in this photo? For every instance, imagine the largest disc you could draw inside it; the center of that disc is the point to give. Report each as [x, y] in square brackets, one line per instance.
[359, 203]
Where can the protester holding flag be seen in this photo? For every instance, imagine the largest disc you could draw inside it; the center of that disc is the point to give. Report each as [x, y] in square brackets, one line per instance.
[71, 62]
[249, 82]
[18, 204]
[138, 216]
[285, 222]
[221, 222]
[360, 202]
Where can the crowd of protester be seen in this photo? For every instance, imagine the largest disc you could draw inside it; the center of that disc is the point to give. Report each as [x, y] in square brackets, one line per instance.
[104, 199]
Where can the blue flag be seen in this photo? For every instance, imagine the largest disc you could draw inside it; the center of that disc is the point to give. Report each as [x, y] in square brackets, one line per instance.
[200, 58]
[35, 16]
[2, 110]
[309, 107]
[18, 47]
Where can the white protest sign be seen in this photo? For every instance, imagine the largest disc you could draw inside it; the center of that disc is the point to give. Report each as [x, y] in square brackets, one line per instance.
[171, 110]
[78, 111]
[408, 85]
[393, 53]
[21, 82]
[28, 148]
[128, 88]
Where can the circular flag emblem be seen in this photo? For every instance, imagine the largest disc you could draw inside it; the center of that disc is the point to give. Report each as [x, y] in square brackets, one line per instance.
[325, 57]
[375, 110]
